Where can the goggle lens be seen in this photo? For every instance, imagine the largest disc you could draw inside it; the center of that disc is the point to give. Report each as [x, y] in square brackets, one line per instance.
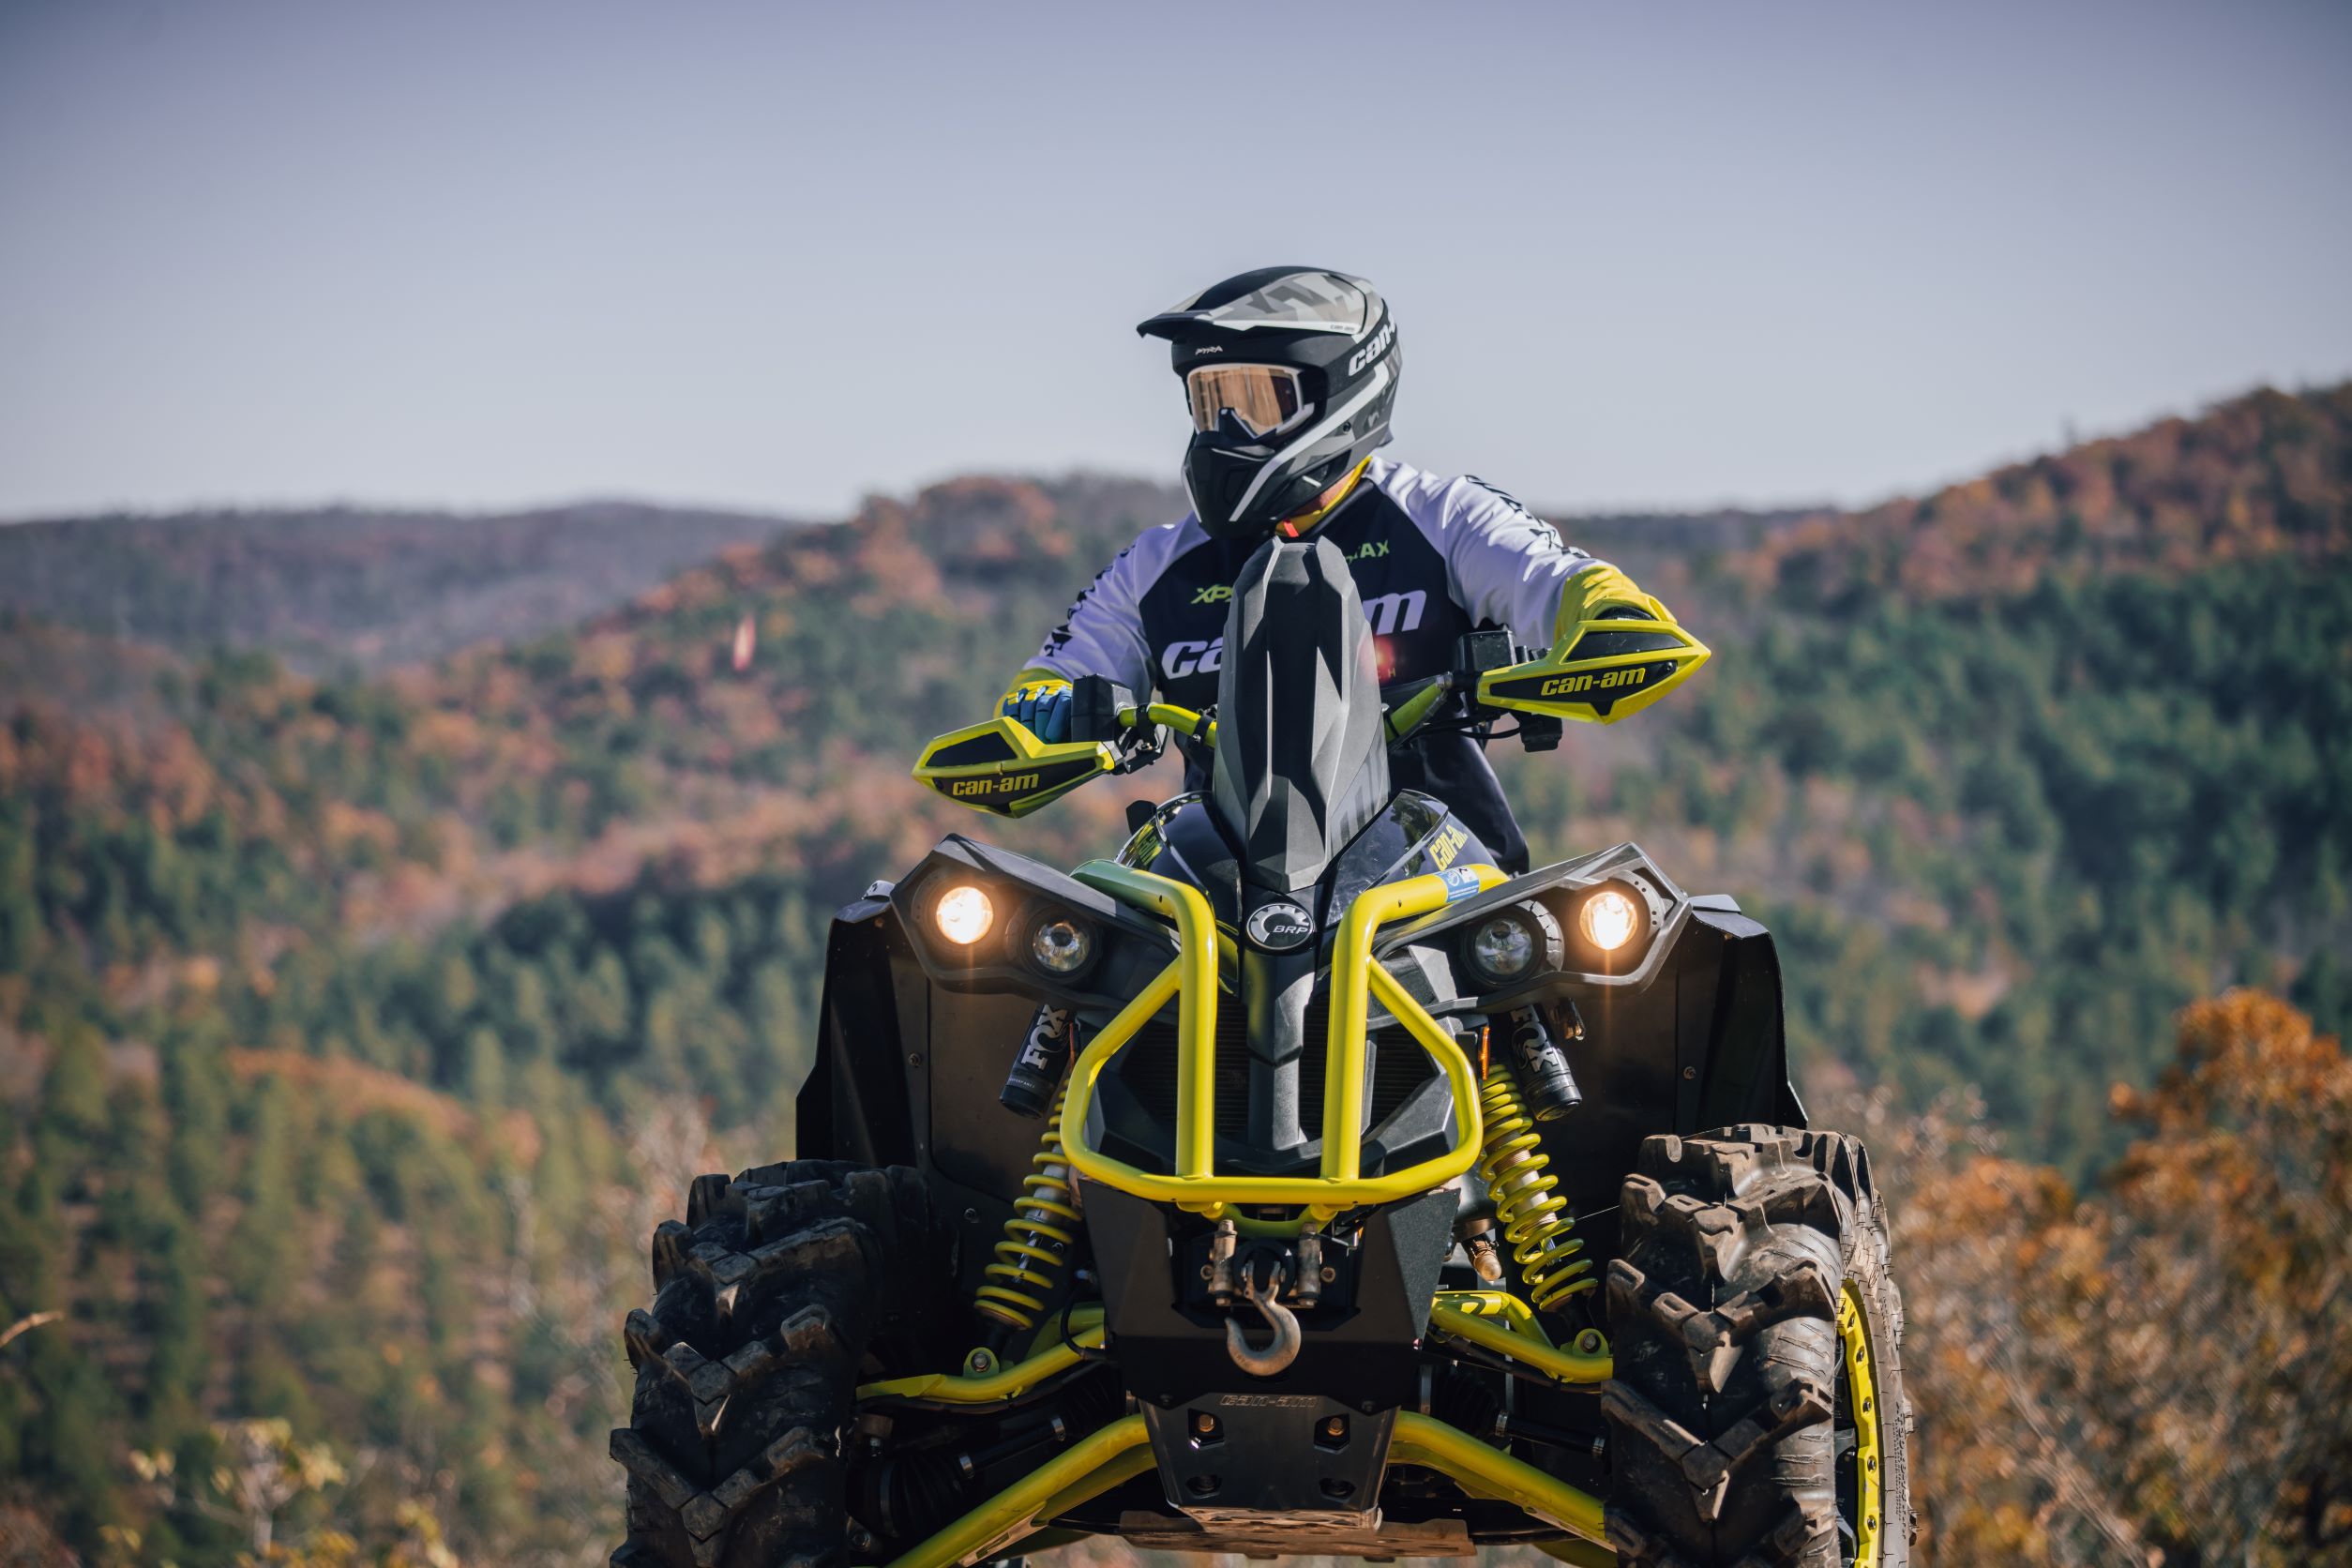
[1264, 398]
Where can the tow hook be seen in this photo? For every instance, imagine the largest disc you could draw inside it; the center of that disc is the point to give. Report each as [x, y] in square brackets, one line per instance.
[1277, 1356]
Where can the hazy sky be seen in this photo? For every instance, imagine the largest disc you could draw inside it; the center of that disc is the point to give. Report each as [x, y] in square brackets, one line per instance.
[778, 255]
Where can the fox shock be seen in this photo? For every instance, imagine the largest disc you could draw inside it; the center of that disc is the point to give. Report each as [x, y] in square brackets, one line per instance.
[1534, 1218]
[1038, 1236]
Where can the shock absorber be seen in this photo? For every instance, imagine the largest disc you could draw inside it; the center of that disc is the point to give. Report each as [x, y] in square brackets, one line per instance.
[1535, 1220]
[1038, 1236]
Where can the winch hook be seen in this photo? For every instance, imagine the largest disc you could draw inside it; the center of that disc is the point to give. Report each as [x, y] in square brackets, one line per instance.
[1277, 1356]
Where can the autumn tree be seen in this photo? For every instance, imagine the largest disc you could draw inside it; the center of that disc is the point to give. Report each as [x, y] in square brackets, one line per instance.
[2155, 1371]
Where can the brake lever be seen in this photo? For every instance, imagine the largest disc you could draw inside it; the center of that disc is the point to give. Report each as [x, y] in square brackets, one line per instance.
[1143, 730]
[1142, 744]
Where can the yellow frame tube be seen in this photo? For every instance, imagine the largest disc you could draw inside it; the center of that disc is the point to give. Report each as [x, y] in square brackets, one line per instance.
[1091, 1466]
[1121, 1450]
[1127, 1466]
[1005, 1383]
[1459, 1457]
[1356, 981]
[1195, 975]
[1502, 1323]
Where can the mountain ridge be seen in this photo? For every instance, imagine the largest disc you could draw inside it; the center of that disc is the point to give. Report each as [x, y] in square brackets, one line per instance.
[348, 584]
[2262, 473]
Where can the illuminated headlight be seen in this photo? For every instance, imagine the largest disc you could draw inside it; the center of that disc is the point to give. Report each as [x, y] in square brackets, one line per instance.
[963, 914]
[1610, 917]
[1060, 947]
[1512, 945]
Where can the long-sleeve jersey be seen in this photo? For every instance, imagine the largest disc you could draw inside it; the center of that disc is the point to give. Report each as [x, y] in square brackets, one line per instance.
[1432, 558]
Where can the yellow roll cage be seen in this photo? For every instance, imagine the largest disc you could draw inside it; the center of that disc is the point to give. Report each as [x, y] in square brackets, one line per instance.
[1191, 979]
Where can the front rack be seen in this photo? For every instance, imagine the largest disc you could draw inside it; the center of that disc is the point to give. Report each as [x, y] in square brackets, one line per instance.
[1191, 979]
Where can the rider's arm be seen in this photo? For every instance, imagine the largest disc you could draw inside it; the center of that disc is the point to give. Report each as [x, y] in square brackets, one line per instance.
[1103, 635]
[1508, 567]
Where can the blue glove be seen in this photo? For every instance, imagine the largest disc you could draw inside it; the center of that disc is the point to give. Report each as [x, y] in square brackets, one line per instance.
[1044, 706]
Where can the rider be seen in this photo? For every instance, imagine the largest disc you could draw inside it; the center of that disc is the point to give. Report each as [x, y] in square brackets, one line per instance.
[1292, 373]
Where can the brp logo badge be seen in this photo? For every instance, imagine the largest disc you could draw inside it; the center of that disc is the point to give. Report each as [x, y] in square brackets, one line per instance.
[1280, 926]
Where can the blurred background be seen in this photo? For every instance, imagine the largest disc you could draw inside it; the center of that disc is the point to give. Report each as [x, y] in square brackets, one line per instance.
[497, 494]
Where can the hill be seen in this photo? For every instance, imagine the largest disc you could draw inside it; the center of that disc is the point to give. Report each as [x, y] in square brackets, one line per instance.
[341, 585]
[353, 1026]
[2262, 476]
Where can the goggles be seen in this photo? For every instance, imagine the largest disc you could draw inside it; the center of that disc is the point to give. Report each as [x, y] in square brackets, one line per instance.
[1264, 398]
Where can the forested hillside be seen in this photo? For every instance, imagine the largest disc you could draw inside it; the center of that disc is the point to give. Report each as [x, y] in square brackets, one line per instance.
[353, 1029]
[354, 1033]
[2018, 769]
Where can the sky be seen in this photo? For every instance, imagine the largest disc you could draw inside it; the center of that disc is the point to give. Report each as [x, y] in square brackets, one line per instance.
[779, 256]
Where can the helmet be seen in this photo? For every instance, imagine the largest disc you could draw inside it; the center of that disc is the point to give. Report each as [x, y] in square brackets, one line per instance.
[1291, 372]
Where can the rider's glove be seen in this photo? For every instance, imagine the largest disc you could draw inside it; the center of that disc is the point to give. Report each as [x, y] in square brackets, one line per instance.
[1042, 703]
[1595, 591]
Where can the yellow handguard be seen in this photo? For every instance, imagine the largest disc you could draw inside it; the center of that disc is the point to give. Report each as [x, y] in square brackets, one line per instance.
[1000, 766]
[1615, 650]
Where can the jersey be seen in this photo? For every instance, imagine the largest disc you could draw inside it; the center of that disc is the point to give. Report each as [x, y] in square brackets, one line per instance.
[1432, 558]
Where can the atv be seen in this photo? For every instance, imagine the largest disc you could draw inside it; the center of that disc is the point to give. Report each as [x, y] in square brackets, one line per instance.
[1295, 1182]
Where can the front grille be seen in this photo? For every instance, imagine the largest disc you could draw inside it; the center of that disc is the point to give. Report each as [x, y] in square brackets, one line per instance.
[1147, 1066]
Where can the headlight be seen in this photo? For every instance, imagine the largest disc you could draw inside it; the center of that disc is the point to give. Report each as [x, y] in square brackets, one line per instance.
[1502, 949]
[963, 914]
[1611, 917]
[1060, 947]
[1512, 945]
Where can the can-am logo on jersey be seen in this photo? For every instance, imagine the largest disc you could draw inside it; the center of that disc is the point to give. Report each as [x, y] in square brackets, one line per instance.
[1389, 613]
[1179, 659]
[1280, 926]
[1374, 349]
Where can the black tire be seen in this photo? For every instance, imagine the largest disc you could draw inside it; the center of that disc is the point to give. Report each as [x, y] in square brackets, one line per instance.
[1730, 1406]
[766, 1304]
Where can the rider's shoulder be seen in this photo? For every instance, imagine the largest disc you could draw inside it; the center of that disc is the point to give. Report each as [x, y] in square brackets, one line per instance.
[1444, 503]
[1159, 547]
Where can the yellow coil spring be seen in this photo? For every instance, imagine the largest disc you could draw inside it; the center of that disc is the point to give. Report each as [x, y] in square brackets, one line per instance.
[1535, 1222]
[1037, 1239]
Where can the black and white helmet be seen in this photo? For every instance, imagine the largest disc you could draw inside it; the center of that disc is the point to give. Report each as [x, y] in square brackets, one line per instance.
[1291, 373]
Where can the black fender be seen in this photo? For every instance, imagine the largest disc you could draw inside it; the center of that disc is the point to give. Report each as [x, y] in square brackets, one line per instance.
[879, 1094]
[1701, 1046]
[855, 1104]
[1731, 1025]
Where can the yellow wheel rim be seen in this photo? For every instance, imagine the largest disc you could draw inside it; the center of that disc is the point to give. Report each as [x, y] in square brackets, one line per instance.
[1862, 1388]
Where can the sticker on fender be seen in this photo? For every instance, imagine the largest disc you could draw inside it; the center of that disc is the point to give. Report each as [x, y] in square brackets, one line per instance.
[1460, 882]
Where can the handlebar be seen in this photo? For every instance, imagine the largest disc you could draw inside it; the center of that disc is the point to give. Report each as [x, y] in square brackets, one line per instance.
[1615, 664]
[1601, 673]
[1189, 722]
[1407, 704]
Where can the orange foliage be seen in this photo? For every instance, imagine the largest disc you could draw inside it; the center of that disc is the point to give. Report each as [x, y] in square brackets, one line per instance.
[2262, 475]
[2158, 1371]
